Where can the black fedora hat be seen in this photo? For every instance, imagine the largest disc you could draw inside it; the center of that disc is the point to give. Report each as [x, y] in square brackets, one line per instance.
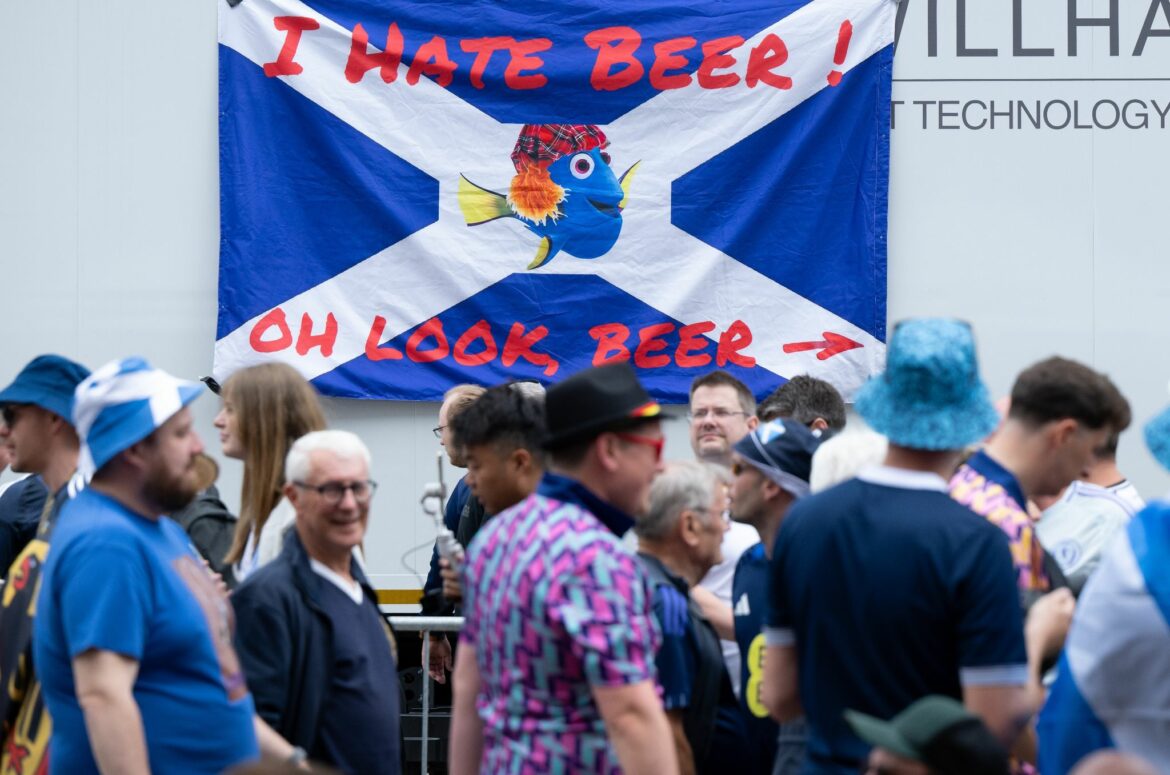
[599, 399]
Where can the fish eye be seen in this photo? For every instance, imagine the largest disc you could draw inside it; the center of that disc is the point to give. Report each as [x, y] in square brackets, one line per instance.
[605, 157]
[581, 165]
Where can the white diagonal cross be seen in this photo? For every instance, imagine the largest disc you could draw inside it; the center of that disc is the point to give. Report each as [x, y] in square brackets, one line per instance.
[653, 260]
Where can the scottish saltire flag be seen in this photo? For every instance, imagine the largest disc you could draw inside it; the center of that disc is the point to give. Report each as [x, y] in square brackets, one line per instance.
[1113, 685]
[418, 194]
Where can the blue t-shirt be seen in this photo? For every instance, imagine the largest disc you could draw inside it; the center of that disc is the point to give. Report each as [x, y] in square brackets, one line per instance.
[116, 581]
[749, 601]
[891, 591]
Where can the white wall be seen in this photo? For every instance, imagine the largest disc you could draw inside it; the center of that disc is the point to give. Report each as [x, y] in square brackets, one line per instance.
[1046, 240]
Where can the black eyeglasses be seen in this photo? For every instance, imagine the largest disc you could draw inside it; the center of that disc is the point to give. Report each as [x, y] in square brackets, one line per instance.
[333, 492]
[438, 431]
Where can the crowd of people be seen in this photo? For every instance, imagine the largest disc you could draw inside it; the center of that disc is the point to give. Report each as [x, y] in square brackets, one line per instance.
[939, 585]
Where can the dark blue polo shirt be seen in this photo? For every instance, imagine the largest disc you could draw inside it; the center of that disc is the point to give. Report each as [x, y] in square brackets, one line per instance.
[891, 591]
[360, 716]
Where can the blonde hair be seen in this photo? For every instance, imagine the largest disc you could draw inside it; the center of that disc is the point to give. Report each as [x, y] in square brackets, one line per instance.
[274, 406]
[460, 397]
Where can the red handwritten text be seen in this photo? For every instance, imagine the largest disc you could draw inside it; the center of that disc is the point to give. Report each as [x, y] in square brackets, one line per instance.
[652, 346]
[616, 65]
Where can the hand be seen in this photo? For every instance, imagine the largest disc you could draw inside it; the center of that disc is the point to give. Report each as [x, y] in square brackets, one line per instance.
[1048, 623]
[706, 599]
[888, 763]
[220, 584]
[452, 589]
[440, 658]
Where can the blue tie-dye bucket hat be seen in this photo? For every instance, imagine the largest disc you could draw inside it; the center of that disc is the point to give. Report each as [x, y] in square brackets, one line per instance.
[930, 395]
[1157, 433]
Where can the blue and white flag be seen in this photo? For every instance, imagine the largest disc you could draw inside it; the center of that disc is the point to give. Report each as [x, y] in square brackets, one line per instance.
[419, 194]
[1113, 685]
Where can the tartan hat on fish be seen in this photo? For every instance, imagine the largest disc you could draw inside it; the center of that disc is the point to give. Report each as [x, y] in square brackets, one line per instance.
[930, 396]
[596, 400]
[542, 144]
[781, 450]
[121, 404]
[48, 381]
[533, 194]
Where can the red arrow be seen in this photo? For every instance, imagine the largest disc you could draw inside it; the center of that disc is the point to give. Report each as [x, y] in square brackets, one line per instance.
[832, 344]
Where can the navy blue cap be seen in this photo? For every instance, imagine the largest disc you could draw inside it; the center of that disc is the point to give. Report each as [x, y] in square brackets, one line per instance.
[48, 381]
[782, 450]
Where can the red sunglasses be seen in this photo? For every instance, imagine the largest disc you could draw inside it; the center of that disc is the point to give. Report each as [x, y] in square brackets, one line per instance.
[656, 443]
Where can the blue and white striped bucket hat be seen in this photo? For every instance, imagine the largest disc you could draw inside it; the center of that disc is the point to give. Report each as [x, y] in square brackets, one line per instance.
[121, 404]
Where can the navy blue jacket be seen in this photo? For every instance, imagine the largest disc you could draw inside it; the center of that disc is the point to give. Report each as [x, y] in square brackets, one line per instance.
[283, 637]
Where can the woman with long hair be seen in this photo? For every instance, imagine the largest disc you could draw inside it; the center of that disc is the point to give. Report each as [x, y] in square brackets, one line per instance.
[265, 409]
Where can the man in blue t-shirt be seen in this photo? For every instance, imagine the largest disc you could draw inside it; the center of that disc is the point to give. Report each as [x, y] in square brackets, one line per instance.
[129, 620]
[771, 468]
[884, 589]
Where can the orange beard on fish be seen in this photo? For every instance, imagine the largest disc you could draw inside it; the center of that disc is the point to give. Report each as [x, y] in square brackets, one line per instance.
[534, 195]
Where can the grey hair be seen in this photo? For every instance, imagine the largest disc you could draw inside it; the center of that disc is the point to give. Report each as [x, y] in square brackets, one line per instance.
[533, 391]
[344, 444]
[683, 485]
[845, 455]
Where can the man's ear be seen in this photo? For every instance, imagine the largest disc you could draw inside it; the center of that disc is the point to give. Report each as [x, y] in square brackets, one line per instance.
[689, 527]
[753, 422]
[605, 448]
[292, 492]
[1060, 431]
[819, 424]
[57, 424]
[520, 459]
[137, 455]
[771, 490]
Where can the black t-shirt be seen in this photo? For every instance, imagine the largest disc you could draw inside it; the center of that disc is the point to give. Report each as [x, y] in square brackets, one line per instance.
[359, 720]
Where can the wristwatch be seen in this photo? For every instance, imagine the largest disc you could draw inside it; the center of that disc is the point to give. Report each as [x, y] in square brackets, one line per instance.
[298, 756]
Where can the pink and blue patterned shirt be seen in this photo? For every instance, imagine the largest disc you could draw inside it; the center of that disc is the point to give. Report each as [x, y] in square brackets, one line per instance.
[554, 605]
[991, 491]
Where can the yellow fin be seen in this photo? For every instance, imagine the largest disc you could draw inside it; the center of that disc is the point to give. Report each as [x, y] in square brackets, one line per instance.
[480, 205]
[626, 180]
[543, 253]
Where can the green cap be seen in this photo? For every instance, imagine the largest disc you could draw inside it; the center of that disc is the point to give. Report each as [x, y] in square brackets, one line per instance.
[912, 730]
[940, 733]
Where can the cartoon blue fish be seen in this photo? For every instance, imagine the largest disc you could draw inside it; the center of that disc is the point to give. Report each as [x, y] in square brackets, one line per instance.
[564, 191]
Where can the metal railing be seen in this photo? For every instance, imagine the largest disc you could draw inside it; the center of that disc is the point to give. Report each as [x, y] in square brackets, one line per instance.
[424, 626]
